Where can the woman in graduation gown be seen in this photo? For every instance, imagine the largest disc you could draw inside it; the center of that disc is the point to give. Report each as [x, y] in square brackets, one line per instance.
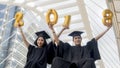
[39, 55]
[76, 56]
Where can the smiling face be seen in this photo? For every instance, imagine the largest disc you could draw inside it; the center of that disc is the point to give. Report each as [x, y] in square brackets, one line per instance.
[40, 41]
[77, 40]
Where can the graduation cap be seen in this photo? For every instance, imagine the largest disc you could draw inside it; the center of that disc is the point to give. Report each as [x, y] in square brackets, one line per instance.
[75, 33]
[43, 34]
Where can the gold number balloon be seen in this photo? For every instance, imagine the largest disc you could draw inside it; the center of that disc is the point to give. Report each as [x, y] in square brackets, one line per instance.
[107, 13]
[49, 21]
[18, 19]
[53, 11]
[107, 17]
[67, 21]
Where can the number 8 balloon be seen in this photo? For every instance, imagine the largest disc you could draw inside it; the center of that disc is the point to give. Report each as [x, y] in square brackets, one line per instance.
[107, 17]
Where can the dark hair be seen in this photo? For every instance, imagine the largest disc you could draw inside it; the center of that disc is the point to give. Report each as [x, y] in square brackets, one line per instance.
[44, 44]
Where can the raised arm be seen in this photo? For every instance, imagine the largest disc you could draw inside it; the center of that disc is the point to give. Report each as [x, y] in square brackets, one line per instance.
[64, 28]
[23, 37]
[56, 40]
[101, 34]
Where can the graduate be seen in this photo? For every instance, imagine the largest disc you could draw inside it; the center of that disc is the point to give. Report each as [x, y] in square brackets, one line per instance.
[76, 56]
[39, 55]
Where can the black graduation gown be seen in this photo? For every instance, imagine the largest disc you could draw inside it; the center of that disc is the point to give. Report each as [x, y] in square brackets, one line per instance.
[51, 53]
[76, 56]
[38, 57]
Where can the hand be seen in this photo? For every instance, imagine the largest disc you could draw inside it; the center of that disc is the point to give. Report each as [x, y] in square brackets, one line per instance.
[50, 26]
[109, 26]
[66, 28]
[18, 25]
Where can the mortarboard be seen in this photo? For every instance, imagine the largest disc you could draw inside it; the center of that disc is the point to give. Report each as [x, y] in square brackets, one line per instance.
[43, 34]
[75, 33]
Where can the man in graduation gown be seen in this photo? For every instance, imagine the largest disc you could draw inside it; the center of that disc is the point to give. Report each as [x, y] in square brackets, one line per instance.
[76, 56]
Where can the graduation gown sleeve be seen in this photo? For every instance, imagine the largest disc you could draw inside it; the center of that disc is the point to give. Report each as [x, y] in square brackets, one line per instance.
[30, 48]
[64, 51]
[59, 49]
[50, 52]
[92, 47]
